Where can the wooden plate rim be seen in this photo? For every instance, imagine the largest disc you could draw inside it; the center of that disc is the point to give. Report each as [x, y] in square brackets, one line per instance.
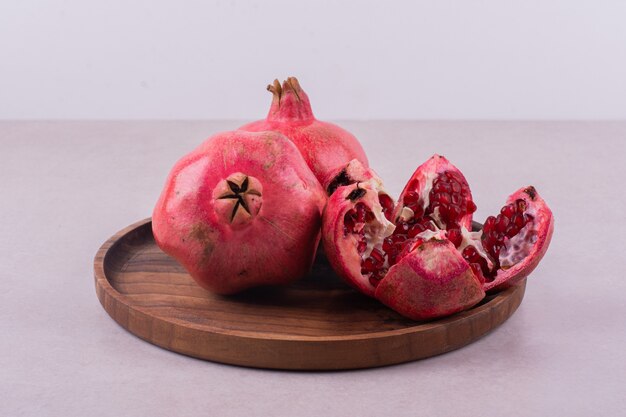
[103, 284]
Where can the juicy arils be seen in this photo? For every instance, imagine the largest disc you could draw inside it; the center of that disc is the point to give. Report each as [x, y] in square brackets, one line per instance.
[515, 246]
[414, 276]
[425, 243]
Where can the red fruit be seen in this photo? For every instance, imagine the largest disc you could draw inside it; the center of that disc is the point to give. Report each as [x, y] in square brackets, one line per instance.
[437, 191]
[421, 278]
[327, 148]
[428, 264]
[242, 210]
[345, 233]
[517, 239]
[433, 280]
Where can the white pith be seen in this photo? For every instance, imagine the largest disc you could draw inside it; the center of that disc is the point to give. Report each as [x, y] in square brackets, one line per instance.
[429, 234]
[437, 218]
[474, 239]
[519, 246]
[376, 231]
[428, 185]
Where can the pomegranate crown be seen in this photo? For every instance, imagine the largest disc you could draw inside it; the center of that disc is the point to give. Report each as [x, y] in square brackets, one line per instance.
[290, 102]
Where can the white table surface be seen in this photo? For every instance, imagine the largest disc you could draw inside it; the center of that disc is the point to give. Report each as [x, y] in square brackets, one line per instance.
[67, 186]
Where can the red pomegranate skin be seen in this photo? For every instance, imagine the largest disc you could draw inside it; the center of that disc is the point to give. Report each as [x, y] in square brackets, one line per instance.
[326, 147]
[432, 281]
[240, 211]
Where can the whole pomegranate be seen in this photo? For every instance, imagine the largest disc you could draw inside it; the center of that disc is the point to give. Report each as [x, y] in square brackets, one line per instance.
[327, 148]
[423, 260]
[242, 210]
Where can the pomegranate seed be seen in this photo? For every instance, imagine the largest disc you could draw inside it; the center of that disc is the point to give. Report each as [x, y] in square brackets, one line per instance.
[471, 207]
[415, 230]
[368, 265]
[508, 210]
[418, 210]
[454, 213]
[411, 198]
[469, 252]
[428, 225]
[388, 244]
[378, 256]
[402, 228]
[362, 246]
[398, 238]
[387, 203]
[455, 236]
[502, 223]
[511, 231]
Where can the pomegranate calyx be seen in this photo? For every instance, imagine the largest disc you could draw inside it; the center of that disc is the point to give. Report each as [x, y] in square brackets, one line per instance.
[276, 90]
[238, 198]
[289, 101]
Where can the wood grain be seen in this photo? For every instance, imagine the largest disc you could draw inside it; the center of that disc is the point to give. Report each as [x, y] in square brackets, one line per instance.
[318, 323]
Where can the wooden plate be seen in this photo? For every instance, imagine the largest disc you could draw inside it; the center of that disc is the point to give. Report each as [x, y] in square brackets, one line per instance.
[318, 323]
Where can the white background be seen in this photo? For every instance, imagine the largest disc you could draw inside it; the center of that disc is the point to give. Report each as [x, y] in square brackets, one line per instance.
[357, 59]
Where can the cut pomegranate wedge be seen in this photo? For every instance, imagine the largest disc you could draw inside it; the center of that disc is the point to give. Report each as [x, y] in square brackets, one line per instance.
[422, 277]
[439, 192]
[432, 280]
[516, 240]
[421, 259]
[354, 229]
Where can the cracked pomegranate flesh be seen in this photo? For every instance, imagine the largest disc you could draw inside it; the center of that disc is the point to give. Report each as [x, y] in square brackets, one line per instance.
[421, 258]
[517, 239]
[327, 148]
[242, 210]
